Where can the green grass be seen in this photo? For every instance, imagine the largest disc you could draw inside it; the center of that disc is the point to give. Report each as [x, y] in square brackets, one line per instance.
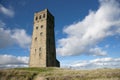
[37, 69]
[59, 74]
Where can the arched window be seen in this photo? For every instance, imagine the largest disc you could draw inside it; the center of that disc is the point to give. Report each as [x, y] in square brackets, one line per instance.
[40, 17]
[43, 15]
[36, 18]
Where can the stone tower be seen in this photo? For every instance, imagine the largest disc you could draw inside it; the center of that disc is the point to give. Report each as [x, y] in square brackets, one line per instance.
[43, 51]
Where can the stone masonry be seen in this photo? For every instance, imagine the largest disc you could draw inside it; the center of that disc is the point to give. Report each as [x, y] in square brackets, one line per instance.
[43, 50]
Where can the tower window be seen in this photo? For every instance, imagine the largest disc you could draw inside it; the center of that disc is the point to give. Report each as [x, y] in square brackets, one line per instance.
[41, 33]
[43, 15]
[39, 54]
[40, 17]
[35, 38]
[35, 50]
[36, 18]
[41, 26]
[40, 49]
[36, 27]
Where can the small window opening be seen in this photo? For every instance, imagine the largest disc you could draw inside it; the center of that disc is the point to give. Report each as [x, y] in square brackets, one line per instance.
[41, 26]
[40, 17]
[39, 54]
[41, 33]
[35, 38]
[43, 15]
[39, 49]
[36, 18]
[36, 27]
[35, 50]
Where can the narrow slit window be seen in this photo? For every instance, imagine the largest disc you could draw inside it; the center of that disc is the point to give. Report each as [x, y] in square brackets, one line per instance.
[39, 49]
[43, 15]
[36, 18]
[39, 54]
[40, 17]
[41, 33]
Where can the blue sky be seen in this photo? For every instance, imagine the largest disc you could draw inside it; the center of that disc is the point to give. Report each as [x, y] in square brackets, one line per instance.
[87, 32]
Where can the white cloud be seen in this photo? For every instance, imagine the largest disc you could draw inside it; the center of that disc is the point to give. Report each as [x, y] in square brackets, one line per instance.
[83, 36]
[9, 61]
[21, 37]
[107, 46]
[7, 11]
[2, 24]
[96, 63]
[97, 51]
[16, 36]
[5, 38]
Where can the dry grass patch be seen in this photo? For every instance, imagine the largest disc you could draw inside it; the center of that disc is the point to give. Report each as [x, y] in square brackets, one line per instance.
[59, 74]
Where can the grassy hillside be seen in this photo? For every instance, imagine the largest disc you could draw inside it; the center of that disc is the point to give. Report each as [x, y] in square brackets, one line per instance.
[59, 74]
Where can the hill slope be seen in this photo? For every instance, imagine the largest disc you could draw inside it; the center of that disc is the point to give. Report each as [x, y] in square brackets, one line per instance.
[59, 74]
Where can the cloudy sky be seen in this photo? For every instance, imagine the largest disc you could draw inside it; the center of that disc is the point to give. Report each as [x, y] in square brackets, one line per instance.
[87, 32]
